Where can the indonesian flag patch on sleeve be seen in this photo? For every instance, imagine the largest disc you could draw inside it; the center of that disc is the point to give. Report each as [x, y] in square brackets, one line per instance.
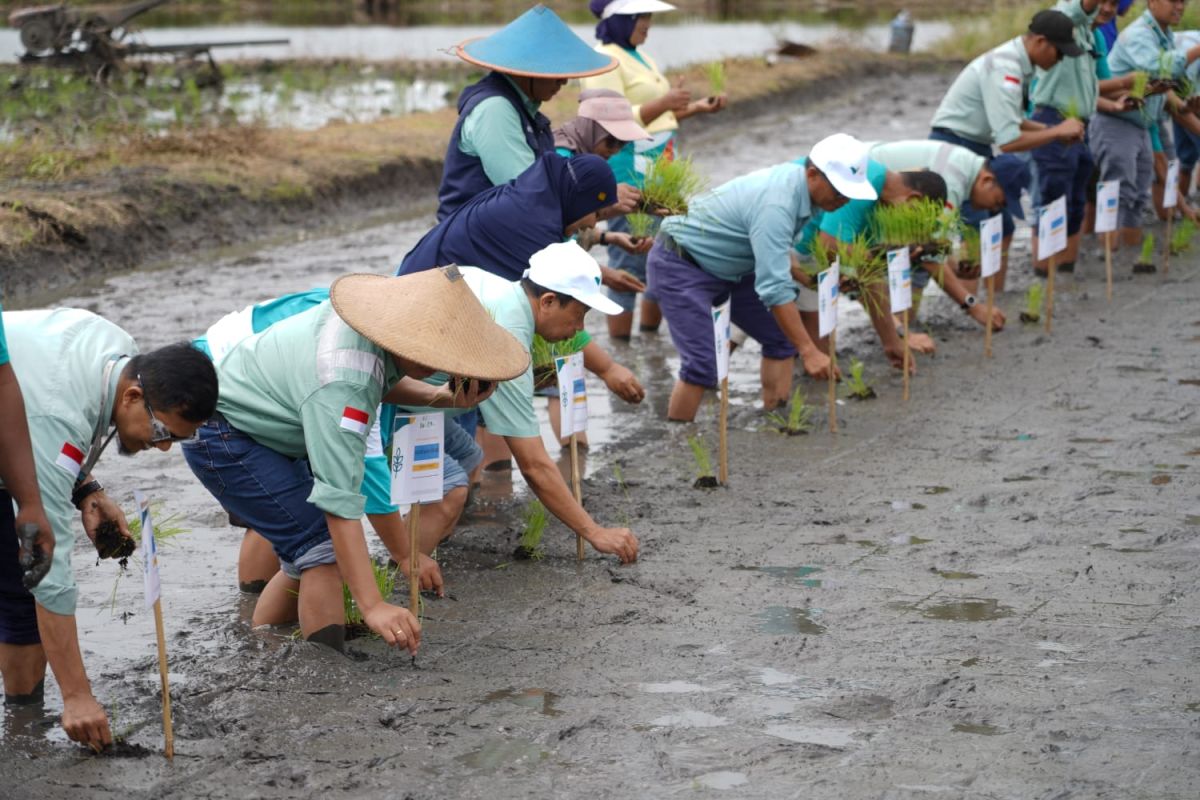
[355, 419]
[1012, 82]
[70, 459]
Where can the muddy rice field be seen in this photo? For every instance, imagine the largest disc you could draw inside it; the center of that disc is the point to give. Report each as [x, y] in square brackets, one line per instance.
[987, 592]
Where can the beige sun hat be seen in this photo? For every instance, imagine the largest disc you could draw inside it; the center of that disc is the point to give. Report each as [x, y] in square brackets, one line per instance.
[430, 317]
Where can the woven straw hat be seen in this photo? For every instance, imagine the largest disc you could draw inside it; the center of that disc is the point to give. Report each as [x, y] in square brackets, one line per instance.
[432, 318]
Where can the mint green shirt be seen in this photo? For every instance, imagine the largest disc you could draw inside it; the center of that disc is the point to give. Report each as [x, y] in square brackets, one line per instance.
[1072, 81]
[493, 133]
[509, 410]
[957, 165]
[59, 356]
[984, 102]
[1144, 46]
[299, 388]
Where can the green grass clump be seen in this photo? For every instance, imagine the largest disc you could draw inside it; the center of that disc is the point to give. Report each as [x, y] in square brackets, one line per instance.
[858, 387]
[536, 518]
[670, 185]
[701, 456]
[1033, 303]
[1147, 256]
[385, 580]
[640, 225]
[920, 221]
[1181, 237]
[799, 415]
[715, 72]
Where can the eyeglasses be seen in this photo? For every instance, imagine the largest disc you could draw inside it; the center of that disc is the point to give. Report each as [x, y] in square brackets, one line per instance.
[159, 432]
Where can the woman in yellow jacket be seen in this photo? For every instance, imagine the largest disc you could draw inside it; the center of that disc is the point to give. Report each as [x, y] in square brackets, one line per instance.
[658, 106]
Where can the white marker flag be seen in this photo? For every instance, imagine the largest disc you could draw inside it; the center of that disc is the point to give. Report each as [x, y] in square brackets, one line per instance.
[899, 279]
[1171, 190]
[1052, 228]
[417, 458]
[827, 297]
[149, 551]
[722, 331]
[1108, 201]
[991, 242]
[572, 394]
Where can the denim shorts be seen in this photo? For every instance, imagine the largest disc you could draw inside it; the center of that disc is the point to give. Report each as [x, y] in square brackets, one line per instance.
[265, 489]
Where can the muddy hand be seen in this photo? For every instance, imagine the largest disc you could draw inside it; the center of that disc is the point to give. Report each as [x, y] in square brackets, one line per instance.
[678, 98]
[628, 200]
[85, 722]
[396, 626]
[99, 508]
[921, 343]
[617, 541]
[817, 365]
[895, 355]
[968, 272]
[621, 281]
[624, 384]
[1069, 130]
[979, 312]
[35, 562]
[468, 393]
[429, 575]
[627, 243]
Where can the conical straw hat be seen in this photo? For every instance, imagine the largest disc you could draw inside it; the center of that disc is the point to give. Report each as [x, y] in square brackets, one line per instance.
[536, 44]
[432, 318]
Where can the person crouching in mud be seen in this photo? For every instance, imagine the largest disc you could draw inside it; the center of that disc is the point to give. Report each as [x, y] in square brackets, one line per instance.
[284, 451]
[84, 384]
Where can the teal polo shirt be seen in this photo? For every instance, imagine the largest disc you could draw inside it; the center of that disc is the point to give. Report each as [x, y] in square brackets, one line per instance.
[855, 217]
[3, 341]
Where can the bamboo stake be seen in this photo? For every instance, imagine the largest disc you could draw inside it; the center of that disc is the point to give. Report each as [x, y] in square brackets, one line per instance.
[1050, 292]
[577, 489]
[907, 353]
[414, 560]
[168, 730]
[1167, 244]
[724, 432]
[833, 428]
[1108, 262]
[990, 282]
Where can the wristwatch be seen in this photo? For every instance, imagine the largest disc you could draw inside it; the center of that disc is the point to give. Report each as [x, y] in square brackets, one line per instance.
[968, 301]
[603, 237]
[84, 491]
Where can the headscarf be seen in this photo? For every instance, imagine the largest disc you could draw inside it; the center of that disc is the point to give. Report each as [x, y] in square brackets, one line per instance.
[501, 228]
[580, 135]
[616, 29]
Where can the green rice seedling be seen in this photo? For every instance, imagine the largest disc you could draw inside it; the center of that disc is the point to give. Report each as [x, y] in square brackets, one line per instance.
[166, 529]
[385, 580]
[542, 353]
[715, 72]
[858, 388]
[640, 225]
[1181, 237]
[670, 185]
[968, 250]
[1072, 111]
[704, 471]
[1033, 303]
[1147, 255]
[529, 548]
[799, 415]
[919, 222]
[1137, 89]
[863, 269]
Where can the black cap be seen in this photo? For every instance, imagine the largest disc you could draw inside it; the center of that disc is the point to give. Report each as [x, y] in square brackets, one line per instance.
[1058, 30]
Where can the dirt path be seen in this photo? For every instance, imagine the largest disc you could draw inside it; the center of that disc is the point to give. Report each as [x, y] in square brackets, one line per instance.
[987, 593]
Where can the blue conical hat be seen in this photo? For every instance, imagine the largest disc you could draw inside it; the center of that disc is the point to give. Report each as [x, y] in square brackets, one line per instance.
[536, 44]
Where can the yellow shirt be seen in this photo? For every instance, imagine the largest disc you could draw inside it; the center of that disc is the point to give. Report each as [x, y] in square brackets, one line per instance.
[638, 82]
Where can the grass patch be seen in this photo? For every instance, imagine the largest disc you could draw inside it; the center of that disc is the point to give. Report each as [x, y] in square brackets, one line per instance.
[981, 32]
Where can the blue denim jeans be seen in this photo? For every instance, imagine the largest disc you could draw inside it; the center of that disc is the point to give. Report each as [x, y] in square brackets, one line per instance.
[267, 490]
[1063, 170]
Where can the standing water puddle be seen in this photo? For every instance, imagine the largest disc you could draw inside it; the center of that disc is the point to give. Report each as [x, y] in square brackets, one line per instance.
[979, 730]
[721, 780]
[791, 621]
[792, 574]
[538, 699]
[967, 611]
[950, 575]
[499, 753]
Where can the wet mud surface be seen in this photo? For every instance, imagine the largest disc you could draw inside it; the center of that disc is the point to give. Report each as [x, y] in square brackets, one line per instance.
[989, 592]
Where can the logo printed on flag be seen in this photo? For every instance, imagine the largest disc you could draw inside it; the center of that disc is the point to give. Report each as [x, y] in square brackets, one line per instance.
[1057, 223]
[425, 457]
[355, 419]
[70, 459]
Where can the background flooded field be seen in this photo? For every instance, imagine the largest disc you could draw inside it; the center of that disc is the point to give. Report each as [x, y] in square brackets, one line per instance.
[988, 592]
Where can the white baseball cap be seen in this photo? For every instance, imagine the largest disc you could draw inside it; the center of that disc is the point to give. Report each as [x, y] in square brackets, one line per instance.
[843, 159]
[565, 268]
[635, 7]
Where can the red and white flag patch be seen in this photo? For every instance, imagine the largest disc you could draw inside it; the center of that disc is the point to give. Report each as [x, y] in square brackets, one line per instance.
[70, 459]
[355, 419]
[1012, 82]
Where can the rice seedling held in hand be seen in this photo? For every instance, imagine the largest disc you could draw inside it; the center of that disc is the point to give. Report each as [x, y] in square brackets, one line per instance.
[863, 271]
[670, 185]
[385, 581]
[641, 225]
[715, 72]
[799, 415]
[858, 388]
[921, 223]
[1033, 303]
[529, 548]
[1145, 263]
[1137, 88]
[704, 471]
